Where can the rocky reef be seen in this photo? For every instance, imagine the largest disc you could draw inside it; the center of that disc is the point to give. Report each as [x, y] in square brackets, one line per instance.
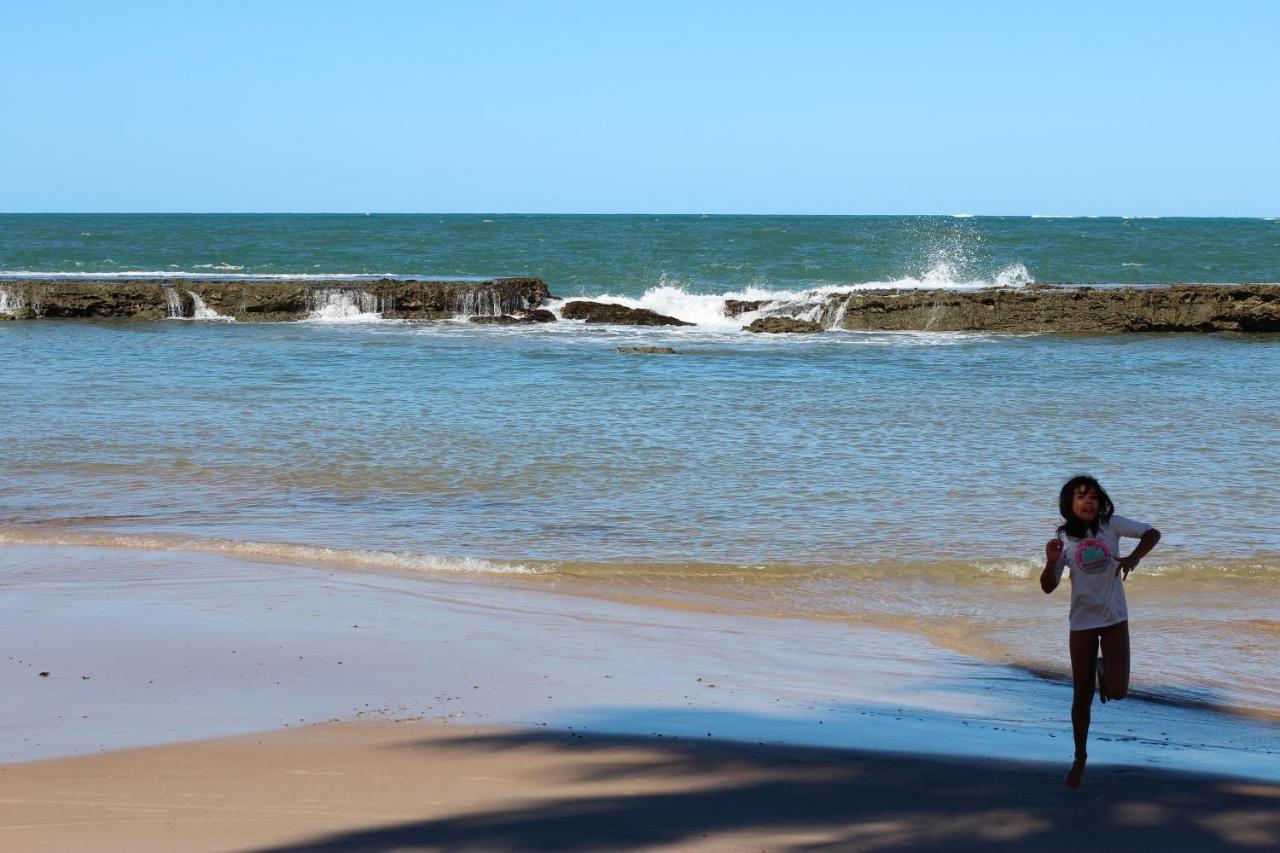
[738, 307]
[619, 315]
[1046, 308]
[502, 301]
[254, 300]
[783, 325]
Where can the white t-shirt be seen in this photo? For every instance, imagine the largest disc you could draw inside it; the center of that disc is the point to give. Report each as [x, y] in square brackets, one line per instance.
[1097, 593]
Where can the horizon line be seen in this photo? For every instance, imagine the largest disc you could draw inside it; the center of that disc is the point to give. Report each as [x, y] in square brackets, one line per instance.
[696, 214]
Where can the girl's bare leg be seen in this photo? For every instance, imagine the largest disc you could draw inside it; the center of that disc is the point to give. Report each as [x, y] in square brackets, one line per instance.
[1084, 658]
[1115, 652]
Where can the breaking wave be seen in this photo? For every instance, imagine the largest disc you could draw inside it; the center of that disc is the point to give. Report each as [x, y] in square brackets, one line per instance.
[673, 298]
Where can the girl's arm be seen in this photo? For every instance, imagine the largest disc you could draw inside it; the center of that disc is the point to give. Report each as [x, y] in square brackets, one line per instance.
[1145, 544]
[1049, 577]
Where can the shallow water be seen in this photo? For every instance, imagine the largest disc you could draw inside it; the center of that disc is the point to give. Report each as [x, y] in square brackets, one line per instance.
[906, 480]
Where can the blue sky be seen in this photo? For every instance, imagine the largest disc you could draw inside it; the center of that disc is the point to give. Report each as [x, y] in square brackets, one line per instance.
[788, 107]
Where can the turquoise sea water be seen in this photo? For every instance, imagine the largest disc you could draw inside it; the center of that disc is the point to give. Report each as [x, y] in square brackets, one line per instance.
[627, 255]
[899, 479]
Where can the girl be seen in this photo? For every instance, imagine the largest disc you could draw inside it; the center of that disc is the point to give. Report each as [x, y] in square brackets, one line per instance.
[1088, 542]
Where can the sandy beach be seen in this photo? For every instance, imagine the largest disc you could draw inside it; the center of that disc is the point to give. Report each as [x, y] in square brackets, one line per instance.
[362, 711]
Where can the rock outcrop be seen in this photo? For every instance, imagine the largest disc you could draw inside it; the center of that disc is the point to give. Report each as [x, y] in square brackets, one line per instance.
[738, 307]
[646, 350]
[538, 315]
[1173, 308]
[620, 315]
[27, 300]
[253, 300]
[781, 325]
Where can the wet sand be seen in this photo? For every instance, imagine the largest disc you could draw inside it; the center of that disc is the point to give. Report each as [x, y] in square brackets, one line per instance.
[419, 785]
[494, 717]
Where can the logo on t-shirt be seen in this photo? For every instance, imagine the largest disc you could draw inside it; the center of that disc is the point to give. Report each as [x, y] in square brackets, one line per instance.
[1093, 556]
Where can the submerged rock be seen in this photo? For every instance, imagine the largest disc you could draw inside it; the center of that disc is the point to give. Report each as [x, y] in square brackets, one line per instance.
[648, 350]
[538, 315]
[781, 325]
[619, 315]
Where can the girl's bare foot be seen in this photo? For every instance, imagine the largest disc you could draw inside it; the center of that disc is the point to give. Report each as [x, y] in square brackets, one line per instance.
[1076, 772]
[1102, 685]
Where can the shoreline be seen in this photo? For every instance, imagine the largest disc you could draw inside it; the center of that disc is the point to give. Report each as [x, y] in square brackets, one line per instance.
[718, 590]
[363, 786]
[253, 645]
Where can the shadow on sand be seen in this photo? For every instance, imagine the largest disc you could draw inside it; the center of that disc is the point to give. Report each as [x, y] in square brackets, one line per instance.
[693, 793]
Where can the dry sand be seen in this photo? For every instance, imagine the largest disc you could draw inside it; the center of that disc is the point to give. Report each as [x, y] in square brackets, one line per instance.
[422, 785]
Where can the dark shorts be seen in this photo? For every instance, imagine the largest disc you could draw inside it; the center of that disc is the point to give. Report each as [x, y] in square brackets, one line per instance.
[1104, 631]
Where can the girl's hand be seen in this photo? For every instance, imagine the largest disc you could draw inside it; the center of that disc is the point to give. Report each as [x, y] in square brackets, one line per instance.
[1053, 550]
[1127, 564]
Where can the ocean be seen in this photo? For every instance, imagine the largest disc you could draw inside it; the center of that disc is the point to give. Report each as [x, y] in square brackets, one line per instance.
[903, 480]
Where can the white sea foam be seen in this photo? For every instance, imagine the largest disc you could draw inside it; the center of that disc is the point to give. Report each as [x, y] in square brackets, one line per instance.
[11, 302]
[173, 304]
[1019, 569]
[204, 312]
[174, 309]
[342, 305]
[707, 310]
[704, 309]
[356, 558]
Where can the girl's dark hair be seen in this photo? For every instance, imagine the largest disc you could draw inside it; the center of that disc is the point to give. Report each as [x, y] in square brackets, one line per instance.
[1073, 526]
